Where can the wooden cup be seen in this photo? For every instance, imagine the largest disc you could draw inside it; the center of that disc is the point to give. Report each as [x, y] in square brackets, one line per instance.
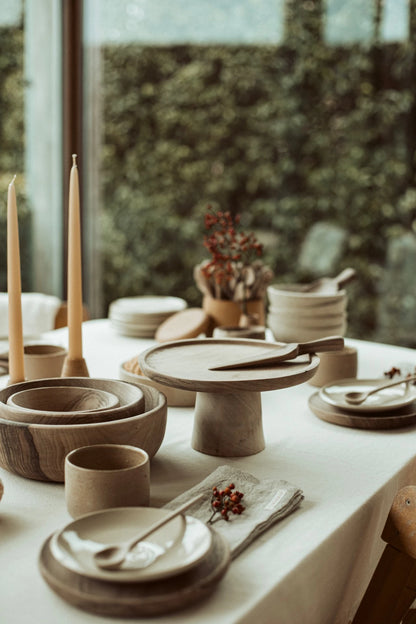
[335, 365]
[104, 476]
[43, 361]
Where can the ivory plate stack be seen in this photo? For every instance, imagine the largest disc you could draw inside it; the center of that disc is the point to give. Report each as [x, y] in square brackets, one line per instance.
[296, 316]
[140, 317]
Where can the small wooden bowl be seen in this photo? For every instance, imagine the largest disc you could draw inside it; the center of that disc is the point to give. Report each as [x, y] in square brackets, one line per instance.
[63, 405]
[176, 397]
[38, 451]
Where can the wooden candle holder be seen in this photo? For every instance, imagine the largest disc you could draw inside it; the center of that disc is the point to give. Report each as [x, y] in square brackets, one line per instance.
[74, 368]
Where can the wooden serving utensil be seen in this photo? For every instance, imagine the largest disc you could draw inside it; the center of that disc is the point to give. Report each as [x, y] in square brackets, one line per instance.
[329, 284]
[286, 352]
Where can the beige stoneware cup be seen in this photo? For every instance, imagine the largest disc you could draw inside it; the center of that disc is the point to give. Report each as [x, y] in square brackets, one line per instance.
[106, 475]
[335, 365]
[43, 361]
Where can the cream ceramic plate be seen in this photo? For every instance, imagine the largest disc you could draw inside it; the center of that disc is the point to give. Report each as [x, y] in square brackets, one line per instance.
[174, 548]
[388, 399]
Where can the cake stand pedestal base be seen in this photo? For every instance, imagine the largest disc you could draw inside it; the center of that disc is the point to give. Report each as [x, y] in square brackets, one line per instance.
[228, 424]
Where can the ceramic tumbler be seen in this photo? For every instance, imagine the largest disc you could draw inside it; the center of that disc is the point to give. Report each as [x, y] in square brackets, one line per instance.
[43, 361]
[106, 475]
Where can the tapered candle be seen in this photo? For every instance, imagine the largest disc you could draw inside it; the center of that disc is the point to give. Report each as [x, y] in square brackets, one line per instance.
[14, 289]
[74, 268]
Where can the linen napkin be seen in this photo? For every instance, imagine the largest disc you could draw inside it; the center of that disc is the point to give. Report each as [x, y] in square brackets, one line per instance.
[266, 501]
[38, 313]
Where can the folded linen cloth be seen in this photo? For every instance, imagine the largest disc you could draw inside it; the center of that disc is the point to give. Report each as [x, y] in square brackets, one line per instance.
[266, 501]
[38, 313]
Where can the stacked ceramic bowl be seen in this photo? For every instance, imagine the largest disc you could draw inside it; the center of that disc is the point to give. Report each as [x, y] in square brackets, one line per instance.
[141, 316]
[296, 316]
[42, 420]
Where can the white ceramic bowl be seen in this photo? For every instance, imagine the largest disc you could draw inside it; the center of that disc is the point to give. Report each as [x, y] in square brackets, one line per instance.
[298, 333]
[309, 322]
[281, 294]
[300, 311]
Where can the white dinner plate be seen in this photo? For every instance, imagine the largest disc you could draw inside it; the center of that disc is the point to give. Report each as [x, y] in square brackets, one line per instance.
[147, 305]
[172, 549]
[388, 399]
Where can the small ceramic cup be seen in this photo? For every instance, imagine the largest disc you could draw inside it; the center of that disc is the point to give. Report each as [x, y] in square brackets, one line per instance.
[334, 365]
[43, 361]
[104, 476]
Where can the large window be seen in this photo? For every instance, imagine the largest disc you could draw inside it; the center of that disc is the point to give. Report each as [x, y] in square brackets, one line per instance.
[299, 115]
[30, 138]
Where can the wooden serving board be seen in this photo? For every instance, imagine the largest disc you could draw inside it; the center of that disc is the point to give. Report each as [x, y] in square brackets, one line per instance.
[390, 419]
[138, 599]
[186, 364]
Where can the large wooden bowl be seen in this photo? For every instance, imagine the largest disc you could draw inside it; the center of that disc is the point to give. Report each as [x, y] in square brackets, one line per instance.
[38, 451]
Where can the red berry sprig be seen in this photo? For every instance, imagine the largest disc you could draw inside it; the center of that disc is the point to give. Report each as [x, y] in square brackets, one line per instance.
[224, 502]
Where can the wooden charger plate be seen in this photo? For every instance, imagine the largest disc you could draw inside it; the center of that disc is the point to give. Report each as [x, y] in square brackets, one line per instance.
[137, 599]
[390, 419]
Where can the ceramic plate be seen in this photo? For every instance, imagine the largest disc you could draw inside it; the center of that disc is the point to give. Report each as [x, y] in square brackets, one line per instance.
[388, 399]
[174, 548]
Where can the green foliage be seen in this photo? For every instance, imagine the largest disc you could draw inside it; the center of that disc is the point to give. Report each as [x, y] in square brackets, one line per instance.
[286, 136]
[12, 150]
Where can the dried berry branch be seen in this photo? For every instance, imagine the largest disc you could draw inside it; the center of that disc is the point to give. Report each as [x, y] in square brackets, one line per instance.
[224, 502]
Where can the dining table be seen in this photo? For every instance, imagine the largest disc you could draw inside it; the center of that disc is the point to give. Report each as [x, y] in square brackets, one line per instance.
[312, 567]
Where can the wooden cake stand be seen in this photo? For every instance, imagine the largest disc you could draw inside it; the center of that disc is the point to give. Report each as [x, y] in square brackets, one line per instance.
[228, 420]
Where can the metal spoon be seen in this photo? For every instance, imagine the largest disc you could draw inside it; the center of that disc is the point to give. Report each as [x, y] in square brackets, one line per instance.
[111, 557]
[356, 398]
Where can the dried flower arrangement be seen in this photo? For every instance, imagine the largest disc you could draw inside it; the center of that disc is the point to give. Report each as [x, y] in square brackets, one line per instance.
[234, 271]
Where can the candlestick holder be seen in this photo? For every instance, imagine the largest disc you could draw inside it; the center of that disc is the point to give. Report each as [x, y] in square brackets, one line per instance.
[74, 367]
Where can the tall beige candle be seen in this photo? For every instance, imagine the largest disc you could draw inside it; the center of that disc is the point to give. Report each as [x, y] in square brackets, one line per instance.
[74, 268]
[14, 289]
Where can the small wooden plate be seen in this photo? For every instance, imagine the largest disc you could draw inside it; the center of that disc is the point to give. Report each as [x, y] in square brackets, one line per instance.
[390, 419]
[140, 599]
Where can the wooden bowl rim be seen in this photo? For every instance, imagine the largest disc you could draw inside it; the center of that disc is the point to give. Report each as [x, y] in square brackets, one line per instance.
[150, 395]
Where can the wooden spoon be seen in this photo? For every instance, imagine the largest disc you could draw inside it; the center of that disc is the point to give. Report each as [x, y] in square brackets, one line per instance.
[329, 284]
[356, 398]
[287, 352]
[111, 557]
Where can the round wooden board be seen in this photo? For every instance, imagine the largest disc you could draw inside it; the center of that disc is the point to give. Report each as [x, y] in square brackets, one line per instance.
[186, 364]
[186, 324]
[137, 599]
[392, 419]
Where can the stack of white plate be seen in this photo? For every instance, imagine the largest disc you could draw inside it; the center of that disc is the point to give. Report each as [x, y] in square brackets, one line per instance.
[141, 316]
[299, 316]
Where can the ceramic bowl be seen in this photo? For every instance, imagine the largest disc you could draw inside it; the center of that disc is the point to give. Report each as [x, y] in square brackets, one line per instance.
[283, 295]
[63, 405]
[298, 333]
[306, 322]
[176, 397]
[324, 309]
[38, 451]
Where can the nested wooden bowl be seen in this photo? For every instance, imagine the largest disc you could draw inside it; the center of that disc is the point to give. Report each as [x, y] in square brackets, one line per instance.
[130, 398]
[64, 405]
[38, 451]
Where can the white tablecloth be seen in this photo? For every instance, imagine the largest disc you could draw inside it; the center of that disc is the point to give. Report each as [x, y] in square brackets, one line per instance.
[311, 568]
